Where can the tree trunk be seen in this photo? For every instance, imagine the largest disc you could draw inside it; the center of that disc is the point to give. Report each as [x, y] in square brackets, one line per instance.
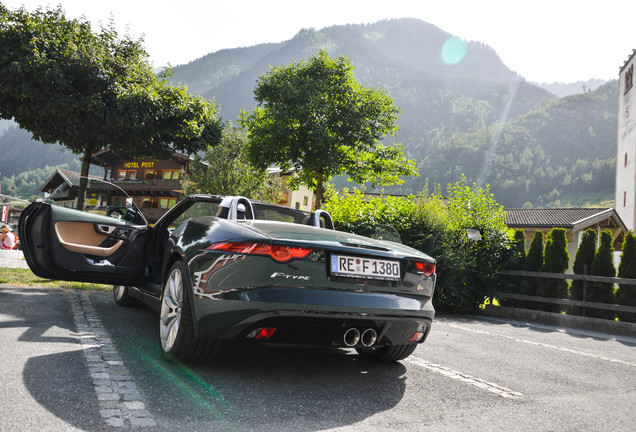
[86, 163]
[318, 191]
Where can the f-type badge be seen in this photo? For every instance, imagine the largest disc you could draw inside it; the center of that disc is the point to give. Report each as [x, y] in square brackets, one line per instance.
[288, 276]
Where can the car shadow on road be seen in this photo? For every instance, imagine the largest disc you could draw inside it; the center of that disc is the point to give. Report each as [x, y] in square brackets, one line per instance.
[251, 386]
[39, 333]
[30, 308]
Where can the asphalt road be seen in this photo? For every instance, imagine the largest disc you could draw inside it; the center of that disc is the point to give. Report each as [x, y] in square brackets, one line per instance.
[73, 360]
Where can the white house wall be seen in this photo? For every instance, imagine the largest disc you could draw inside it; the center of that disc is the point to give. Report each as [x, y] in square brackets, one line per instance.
[625, 196]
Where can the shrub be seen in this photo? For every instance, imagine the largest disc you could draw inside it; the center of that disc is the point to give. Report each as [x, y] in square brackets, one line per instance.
[603, 265]
[518, 250]
[582, 265]
[626, 294]
[437, 226]
[556, 259]
[534, 259]
[517, 261]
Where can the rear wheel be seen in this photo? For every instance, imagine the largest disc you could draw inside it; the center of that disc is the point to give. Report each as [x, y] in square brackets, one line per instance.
[122, 296]
[176, 324]
[388, 353]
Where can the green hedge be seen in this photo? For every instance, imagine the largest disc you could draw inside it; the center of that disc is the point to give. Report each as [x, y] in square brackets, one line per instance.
[466, 269]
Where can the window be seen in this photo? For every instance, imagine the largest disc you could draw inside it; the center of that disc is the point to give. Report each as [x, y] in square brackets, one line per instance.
[166, 203]
[297, 206]
[127, 174]
[624, 198]
[305, 200]
[625, 159]
[149, 175]
[171, 174]
[146, 202]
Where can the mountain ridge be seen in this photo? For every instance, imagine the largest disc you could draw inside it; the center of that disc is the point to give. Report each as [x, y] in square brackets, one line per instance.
[449, 109]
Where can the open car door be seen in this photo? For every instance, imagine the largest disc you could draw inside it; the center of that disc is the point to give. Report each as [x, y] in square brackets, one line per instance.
[67, 244]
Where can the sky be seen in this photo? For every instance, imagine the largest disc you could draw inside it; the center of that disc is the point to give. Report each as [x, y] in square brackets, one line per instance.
[542, 40]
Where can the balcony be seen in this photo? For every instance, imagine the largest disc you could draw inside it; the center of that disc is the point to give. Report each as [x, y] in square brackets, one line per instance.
[138, 187]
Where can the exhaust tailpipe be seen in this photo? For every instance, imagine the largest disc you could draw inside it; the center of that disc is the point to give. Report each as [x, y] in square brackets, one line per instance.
[351, 337]
[368, 338]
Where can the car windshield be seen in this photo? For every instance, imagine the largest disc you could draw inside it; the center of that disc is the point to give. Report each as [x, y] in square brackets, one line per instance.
[265, 211]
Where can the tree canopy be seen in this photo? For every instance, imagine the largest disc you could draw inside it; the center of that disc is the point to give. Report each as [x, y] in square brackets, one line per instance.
[224, 170]
[92, 90]
[315, 117]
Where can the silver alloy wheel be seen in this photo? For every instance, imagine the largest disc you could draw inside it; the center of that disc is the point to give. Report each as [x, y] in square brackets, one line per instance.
[171, 304]
[119, 291]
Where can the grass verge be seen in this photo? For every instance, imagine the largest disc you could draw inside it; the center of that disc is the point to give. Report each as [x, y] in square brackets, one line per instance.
[26, 277]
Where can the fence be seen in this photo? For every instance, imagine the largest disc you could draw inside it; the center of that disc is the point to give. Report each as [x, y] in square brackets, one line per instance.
[568, 302]
[626, 328]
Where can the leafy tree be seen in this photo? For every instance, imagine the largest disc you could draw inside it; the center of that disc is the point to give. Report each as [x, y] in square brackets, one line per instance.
[534, 259]
[627, 269]
[314, 116]
[223, 169]
[603, 265]
[64, 82]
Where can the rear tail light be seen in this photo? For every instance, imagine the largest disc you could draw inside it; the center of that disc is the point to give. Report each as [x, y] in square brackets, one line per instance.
[278, 253]
[262, 333]
[425, 268]
[417, 337]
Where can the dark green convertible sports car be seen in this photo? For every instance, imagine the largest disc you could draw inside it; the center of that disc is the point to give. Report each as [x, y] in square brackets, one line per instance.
[235, 269]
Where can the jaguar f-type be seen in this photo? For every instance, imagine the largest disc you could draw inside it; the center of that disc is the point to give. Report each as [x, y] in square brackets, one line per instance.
[246, 271]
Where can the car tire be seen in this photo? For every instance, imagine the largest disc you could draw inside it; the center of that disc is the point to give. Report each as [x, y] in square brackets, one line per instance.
[122, 296]
[176, 324]
[390, 353]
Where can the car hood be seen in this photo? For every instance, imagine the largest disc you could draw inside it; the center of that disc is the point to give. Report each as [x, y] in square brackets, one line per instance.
[305, 235]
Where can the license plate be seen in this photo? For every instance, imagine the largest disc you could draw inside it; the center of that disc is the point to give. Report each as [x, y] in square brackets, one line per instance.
[367, 268]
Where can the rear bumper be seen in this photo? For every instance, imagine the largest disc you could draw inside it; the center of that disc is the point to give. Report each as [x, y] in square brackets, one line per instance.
[313, 316]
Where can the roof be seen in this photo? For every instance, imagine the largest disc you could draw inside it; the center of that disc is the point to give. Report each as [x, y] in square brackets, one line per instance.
[109, 156]
[60, 176]
[574, 218]
[627, 61]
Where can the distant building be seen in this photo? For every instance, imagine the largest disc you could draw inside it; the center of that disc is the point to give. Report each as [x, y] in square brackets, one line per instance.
[153, 185]
[301, 199]
[62, 187]
[625, 198]
[574, 220]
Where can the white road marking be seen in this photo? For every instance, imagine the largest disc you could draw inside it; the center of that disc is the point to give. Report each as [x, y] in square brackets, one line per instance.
[467, 379]
[119, 400]
[550, 346]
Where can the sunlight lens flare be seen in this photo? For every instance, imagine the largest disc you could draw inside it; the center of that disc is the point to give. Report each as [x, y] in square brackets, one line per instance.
[454, 50]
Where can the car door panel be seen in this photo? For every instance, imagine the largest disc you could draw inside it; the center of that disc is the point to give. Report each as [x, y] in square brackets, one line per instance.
[67, 244]
[82, 237]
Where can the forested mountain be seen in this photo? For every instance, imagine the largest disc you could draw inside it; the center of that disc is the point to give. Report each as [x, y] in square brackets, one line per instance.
[472, 117]
[462, 110]
[561, 89]
[26, 164]
[562, 153]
